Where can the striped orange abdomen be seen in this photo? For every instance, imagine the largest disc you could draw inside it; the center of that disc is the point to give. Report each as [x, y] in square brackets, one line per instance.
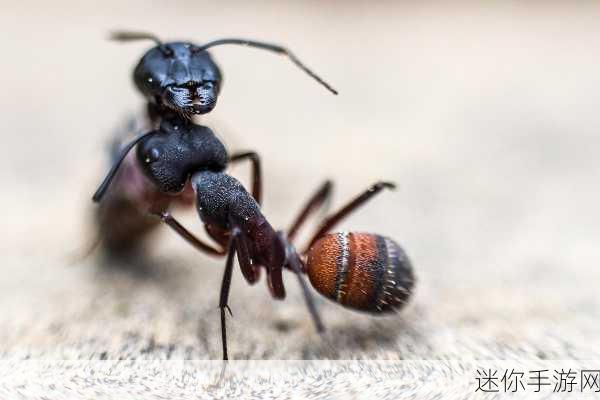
[362, 271]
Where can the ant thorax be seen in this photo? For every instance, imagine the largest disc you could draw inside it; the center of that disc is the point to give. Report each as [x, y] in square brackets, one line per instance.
[170, 155]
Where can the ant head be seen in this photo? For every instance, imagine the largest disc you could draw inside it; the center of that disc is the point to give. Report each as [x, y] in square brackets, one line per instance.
[182, 76]
[178, 76]
[170, 155]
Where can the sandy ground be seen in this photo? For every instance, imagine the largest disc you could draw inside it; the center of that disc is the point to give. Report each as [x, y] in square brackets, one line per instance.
[486, 118]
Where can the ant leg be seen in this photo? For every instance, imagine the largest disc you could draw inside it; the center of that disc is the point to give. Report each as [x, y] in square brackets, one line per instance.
[256, 172]
[317, 199]
[101, 191]
[225, 286]
[168, 219]
[332, 220]
[296, 266]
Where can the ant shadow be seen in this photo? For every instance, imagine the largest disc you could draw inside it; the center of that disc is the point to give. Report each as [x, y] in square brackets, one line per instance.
[137, 268]
[134, 264]
[159, 281]
[350, 339]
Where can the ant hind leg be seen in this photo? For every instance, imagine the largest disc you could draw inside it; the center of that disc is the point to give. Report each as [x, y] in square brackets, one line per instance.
[335, 218]
[322, 195]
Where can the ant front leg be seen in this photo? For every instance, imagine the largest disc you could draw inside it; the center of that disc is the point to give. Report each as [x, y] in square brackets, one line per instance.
[334, 219]
[251, 272]
[189, 237]
[101, 191]
[256, 172]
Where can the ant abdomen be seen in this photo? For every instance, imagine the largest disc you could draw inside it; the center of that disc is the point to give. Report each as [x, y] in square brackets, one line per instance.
[362, 271]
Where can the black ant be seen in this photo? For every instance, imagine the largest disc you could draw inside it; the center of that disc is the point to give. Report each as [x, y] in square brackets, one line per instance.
[366, 272]
[182, 77]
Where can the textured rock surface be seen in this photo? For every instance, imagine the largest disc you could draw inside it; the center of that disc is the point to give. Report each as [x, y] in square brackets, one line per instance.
[487, 120]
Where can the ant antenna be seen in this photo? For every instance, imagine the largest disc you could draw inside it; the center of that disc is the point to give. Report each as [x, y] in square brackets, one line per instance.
[131, 36]
[270, 47]
[113, 171]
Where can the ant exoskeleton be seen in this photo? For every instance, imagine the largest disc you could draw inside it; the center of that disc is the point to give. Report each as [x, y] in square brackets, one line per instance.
[182, 77]
[365, 272]
[361, 271]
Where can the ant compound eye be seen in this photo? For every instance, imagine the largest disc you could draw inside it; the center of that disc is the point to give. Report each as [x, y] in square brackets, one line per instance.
[152, 155]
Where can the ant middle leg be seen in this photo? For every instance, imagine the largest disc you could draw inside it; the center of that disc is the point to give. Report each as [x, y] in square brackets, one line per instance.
[335, 218]
[189, 237]
[256, 172]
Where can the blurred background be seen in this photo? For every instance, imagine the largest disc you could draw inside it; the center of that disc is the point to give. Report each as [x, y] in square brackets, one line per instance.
[485, 116]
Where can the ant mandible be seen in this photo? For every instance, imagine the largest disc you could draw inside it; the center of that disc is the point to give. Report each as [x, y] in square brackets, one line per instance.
[182, 77]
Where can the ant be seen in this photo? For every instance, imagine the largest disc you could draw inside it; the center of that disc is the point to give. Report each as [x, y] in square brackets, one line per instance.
[365, 272]
[182, 77]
